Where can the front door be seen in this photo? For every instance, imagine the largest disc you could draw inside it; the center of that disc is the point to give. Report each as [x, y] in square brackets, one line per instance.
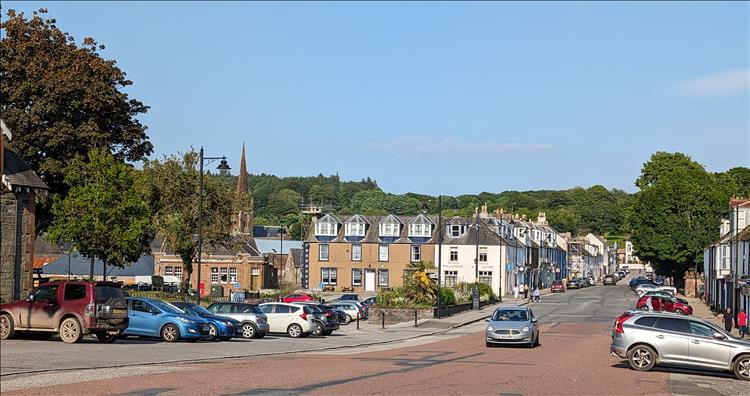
[369, 280]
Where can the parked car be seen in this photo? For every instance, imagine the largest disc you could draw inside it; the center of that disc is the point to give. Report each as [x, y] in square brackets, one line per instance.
[351, 310]
[635, 282]
[155, 318]
[660, 293]
[348, 297]
[557, 286]
[659, 280]
[512, 325]
[222, 328]
[574, 284]
[609, 280]
[369, 301]
[592, 281]
[326, 319]
[253, 322]
[648, 339]
[647, 287]
[70, 308]
[294, 319]
[298, 297]
[665, 304]
[340, 314]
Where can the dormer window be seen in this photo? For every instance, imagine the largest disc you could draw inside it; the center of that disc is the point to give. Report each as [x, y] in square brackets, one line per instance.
[355, 229]
[456, 230]
[390, 226]
[420, 227]
[326, 229]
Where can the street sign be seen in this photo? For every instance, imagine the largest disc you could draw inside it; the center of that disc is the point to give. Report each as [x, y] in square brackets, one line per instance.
[321, 286]
[509, 267]
[237, 285]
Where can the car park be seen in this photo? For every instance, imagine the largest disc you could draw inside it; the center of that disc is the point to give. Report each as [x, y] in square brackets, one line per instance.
[71, 309]
[303, 297]
[648, 339]
[222, 328]
[557, 286]
[664, 304]
[155, 318]
[296, 320]
[512, 325]
[609, 280]
[253, 322]
[326, 320]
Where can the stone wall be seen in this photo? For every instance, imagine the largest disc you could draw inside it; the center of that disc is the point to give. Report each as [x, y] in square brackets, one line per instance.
[398, 315]
[17, 236]
[690, 284]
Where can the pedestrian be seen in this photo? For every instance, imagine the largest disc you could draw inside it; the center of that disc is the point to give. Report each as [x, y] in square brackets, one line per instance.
[515, 291]
[525, 291]
[742, 323]
[649, 304]
[728, 320]
[536, 295]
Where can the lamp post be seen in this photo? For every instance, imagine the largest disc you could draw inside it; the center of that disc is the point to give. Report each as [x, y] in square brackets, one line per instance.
[281, 253]
[66, 247]
[440, 250]
[475, 297]
[222, 167]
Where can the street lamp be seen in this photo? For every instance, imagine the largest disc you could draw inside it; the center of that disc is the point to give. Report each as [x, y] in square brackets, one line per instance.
[223, 167]
[440, 251]
[475, 297]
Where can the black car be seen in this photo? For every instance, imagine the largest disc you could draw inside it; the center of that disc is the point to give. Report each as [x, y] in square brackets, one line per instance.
[326, 319]
[349, 297]
[369, 301]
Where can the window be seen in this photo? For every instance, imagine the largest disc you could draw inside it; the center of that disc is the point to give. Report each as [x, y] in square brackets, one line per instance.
[140, 306]
[485, 277]
[416, 253]
[456, 230]
[214, 275]
[356, 252]
[255, 272]
[383, 253]
[325, 229]
[389, 229]
[224, 275]
[483, 254]
[383, 278]
[453, 254]
[233, 275]
[419, 230]
[328, 276]
[75, 292]
[282, 309]
[355, 229]
[168, 270]
[323, 252]
[356, 277]
[178, 271]
[46, 293]
[451, 278]
[670, 324]
[647, 321]
[701, 330]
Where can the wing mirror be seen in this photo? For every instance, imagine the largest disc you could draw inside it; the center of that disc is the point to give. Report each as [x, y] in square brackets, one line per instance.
[534, 320]
[30, 297]
[719, 336]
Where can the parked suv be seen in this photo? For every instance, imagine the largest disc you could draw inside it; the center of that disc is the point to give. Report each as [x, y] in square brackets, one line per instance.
[70, 308]
[647, 339]
[294, 319]
[254, 323]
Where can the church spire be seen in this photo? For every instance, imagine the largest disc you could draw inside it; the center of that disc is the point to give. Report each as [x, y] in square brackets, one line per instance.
[242, 180]
[242, 223]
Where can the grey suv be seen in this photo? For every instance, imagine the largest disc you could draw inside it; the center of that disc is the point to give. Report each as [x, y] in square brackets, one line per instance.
[647, 339]
[254, 321]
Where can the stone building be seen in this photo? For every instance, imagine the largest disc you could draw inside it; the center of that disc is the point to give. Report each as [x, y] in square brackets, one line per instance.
[20, 186]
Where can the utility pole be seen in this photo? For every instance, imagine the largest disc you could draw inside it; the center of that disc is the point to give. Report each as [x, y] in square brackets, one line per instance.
[440, 250]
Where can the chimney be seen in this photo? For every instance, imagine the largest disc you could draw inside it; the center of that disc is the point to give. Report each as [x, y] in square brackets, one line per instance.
[498, 212]
[484, 213]
[541, 218]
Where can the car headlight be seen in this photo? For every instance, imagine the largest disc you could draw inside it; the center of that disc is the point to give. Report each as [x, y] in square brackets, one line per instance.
[525, 330]
[228, 323]
[185, 320]
[490, 328]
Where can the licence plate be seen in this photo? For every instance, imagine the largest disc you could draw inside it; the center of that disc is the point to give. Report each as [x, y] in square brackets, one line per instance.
[503, 337]
[119, 311]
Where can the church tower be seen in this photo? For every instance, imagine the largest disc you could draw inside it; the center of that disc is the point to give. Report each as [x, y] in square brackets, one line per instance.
[242, 222]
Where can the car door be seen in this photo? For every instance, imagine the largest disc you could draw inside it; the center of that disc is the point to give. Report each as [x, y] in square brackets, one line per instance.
[705, 349]
[273, 323]
[143, 321]
[671, 338]
[42, 309]
[282, 317]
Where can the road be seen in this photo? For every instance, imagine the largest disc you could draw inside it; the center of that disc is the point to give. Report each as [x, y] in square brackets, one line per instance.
[572, 359]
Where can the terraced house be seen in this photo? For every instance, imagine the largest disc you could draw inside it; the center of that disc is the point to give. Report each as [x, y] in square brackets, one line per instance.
[366, 253]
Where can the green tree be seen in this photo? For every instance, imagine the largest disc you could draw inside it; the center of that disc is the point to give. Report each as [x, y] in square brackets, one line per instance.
[106, 214]
[676, 213]
[61, 100]
[174, 187]
[564, 220]
[284, 202]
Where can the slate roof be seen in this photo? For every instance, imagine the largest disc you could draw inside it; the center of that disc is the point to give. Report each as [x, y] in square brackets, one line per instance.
[18, 173]
[244, 244]
[272, 245]
[260, 231]
[80, 265]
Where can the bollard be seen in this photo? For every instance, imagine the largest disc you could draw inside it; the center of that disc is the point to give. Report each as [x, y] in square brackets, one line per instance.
[357, 320]
[382, 319]
[415, 317]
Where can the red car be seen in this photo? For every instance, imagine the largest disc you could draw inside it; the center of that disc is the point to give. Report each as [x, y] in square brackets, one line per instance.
[557, 286]
[665, 304]
[298, 297]
[71, 309]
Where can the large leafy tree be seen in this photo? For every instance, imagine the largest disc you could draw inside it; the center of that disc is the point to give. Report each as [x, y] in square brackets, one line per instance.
[106, 214]
[174, 187]
[676, 213]
[62, 99]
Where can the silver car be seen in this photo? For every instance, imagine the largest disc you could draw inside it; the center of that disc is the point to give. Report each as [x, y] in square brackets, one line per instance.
[512, 325]
[254, 321]
[649, 338]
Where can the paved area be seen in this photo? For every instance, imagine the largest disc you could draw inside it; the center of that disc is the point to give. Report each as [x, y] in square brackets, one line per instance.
[572, 359]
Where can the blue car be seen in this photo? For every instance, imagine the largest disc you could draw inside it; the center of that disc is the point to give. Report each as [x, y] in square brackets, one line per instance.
[154, 318]
[222, 327]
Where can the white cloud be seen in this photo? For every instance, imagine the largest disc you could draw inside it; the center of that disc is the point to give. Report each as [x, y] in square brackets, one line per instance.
[427, 144]
[730, 82]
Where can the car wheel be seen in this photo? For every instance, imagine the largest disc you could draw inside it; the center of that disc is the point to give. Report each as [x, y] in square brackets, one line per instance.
[742, 368]
[531, 343]
[328, 332]
[106, 338]
[6, 327]
[679, 312]
[70, 330]
[319, 329]
[249, 330]
[642, 358]
[488, 345]
[537, 340]
[170, 333]
[348, 319]
[294, 330]
[213, 332]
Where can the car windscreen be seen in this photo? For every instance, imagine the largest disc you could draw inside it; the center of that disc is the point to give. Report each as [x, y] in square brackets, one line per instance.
[167, 307]
[198, 309]
[102, 293]
[510, 315]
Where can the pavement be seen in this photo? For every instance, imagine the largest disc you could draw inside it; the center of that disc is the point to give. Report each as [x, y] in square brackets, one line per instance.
[703, 311]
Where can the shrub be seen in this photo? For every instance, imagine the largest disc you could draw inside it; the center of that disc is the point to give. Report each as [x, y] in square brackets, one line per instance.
[447, 297]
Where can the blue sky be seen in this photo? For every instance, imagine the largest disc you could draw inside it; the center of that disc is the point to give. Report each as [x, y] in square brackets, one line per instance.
[449, 98]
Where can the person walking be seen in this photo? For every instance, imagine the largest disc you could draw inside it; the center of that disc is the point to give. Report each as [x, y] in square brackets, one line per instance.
[525, 291]
[536, 294]
[649, 304]
[515, 291]
[742, 323]
[728, 320]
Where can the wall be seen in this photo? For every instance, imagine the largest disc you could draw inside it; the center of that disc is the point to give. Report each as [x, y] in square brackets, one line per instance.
[17, 244]
[398, 315]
